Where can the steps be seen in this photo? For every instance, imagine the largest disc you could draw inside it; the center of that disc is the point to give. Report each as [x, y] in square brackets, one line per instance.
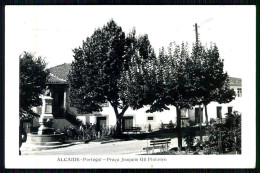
[25, 148]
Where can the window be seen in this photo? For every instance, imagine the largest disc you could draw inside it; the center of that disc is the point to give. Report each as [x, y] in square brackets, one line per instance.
[219, 112]
[198, 118]
[101, 123]
[149, 118]
[184, 112]
[239, 92]
[230, 110]
[128, 122]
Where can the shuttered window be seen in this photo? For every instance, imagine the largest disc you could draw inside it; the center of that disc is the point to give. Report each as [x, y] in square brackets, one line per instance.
[219, 112]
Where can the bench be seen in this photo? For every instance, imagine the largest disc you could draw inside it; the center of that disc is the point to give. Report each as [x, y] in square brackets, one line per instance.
[162, 144]
[133, 129]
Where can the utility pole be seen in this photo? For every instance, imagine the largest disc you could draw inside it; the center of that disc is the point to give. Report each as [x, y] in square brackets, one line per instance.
[200, 112]
[200, 115]
[196, 32]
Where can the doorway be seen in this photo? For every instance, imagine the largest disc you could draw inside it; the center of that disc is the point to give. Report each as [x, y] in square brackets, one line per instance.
[101, 123]
[127, 122]
[57, 103]
[197, 117]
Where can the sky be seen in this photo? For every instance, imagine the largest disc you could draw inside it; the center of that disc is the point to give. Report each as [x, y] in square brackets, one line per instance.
[53, 31]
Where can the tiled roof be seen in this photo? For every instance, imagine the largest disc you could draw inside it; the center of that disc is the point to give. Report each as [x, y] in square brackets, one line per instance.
[55, 80]
[235, 81]
[59, 74]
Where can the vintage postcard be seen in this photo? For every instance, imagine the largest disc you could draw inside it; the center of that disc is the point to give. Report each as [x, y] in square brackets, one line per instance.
[130, 86]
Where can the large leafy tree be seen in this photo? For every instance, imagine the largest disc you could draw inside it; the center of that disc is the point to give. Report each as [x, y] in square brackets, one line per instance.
[33, 76]
[137, 79]
[186, 81]
[212, 83]
[101, 70]
[216, 80]
[178, 84]
[172, 82]
[197, 73]
[208, 78]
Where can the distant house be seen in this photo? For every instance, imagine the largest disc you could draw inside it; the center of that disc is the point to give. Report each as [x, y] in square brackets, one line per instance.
[59, 91]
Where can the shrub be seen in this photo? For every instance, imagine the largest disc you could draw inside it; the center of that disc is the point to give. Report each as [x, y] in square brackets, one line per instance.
[69, 132]
[76, 133]
[106, 131]
[189, 136]
[87, 132]
[212, 121]
[171, 125]
[91, 131]
[232, 138]
[112, 131]
[222, 138]
[162, 126]
[212, 142]
[191, 123]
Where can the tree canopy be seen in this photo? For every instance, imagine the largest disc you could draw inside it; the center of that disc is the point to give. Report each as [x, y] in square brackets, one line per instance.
[185, 80]
[33, 76]
[173, 86]
[212, 83]
[104, 70]
[123, 70]
[96, 69]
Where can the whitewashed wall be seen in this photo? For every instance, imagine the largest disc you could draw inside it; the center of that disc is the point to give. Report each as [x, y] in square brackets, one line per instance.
[140, 117]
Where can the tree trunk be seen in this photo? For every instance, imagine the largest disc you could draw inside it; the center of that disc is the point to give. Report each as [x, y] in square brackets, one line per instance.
[178, 110]
[206, 115]
[20, 136]
[20, 140]
[200, 122]
[119, 124]
[119, 117]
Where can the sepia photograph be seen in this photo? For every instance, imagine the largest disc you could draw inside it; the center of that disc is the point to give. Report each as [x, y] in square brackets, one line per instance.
[130, 86]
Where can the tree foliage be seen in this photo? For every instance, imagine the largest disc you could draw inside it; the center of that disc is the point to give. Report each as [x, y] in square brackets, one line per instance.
[135, 81]
[96, 69]
[189, 136]
[124, 71]
[33, 75]
[109, 68]
[185, 80]
[172, 85]
[224, 138]
[210, 81]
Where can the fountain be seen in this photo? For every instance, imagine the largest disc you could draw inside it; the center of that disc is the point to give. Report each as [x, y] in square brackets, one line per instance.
[46, 137]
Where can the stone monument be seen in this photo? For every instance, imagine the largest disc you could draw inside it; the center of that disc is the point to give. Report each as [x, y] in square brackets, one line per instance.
[46, 137]
[46, 117]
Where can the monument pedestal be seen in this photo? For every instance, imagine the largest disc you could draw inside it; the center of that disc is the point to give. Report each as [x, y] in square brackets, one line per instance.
[46, 119]
[46, 137]
[45, 126]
